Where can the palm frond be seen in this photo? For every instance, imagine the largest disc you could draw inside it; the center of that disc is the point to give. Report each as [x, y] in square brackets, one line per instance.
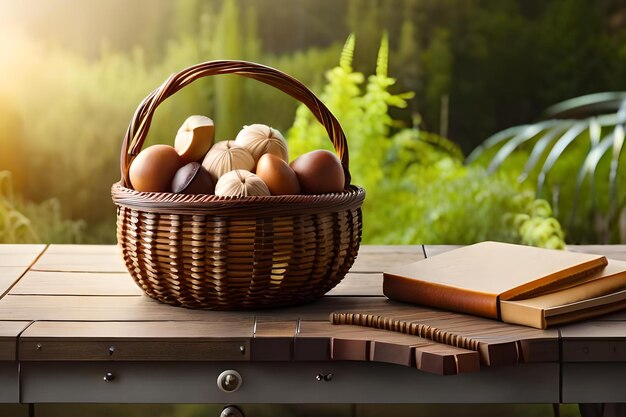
[618, 145]
[540, 148]
[524, 135]
[557, 150]
[589, 167]
[493, 141]
[580, 133]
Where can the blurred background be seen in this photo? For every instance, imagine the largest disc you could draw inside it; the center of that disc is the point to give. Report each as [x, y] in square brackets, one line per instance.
[448, 106]
[420, 84]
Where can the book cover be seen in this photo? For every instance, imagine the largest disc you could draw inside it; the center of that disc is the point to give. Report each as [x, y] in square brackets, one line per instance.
[473, 279]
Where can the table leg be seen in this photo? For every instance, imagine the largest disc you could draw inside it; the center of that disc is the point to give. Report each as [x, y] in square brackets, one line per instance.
[231, 411]
[603, 410]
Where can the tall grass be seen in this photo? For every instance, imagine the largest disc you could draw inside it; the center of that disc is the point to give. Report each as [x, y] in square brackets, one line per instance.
[22, 222]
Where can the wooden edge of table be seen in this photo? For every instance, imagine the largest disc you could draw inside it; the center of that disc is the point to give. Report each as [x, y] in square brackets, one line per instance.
[138, 341]
[594, 341]
[325, 341]
[9, 334]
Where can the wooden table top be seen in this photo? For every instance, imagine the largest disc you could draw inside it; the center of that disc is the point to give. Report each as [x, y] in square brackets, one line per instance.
[78, 303]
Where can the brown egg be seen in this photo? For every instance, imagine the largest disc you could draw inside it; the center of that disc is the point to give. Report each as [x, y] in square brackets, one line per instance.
[193, 179]
[154, 168]
[277, 175]
[319, 172]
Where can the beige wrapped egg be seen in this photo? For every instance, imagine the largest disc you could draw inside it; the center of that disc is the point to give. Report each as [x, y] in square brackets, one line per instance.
[260, 139]
[194, 138]
[226, 156]
[241, 183]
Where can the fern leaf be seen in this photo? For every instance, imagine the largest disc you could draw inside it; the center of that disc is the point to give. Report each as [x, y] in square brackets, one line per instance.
[347, 53]
[382, 61]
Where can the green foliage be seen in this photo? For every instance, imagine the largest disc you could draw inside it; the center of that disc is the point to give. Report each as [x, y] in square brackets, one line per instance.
[228, 91]
[61, 129]
[418, 190]
[574, 164]
[364, 115]
[431, 197]
[33, 223]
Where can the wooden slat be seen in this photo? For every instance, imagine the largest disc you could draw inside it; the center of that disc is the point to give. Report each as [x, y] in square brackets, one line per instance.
[9, 275]
[81, 258]
[14, 261]
[380, 258]
[446, 360]
[19, 255]
[137, 341]
[102, 308]
[359, 284]
[433, 250]
[75, 283]
[9, 331]
[84, 250]
[273, 340]
[390, 249]
[235, 327]
[142, 308]
[610, 251]
[498, 343]
[363, 344]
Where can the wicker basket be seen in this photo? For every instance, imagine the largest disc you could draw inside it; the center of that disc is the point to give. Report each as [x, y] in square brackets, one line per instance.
[224, 253]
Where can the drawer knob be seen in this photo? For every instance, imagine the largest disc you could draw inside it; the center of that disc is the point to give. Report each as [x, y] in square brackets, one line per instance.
[231, 411]
[108, 377]
[229, 381]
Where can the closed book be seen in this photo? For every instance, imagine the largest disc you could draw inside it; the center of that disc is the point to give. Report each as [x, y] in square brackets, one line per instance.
[473, 279]
[605, 292]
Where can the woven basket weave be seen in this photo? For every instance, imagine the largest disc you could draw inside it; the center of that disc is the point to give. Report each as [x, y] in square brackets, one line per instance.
[226, 253]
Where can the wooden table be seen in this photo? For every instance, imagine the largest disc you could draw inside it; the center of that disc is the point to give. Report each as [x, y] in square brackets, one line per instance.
[75, 328]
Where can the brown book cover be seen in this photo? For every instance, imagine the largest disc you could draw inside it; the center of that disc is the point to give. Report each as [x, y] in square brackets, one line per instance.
[473, 279]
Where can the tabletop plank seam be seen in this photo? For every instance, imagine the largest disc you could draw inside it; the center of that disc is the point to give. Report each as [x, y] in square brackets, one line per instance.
[17, 341]
[25, 272]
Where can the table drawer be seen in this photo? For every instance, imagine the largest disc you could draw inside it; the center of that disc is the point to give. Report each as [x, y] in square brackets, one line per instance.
[282, 382]
[594, 382]
[9, 382]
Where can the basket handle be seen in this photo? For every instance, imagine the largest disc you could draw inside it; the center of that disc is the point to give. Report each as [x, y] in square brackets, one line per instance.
[140, 123]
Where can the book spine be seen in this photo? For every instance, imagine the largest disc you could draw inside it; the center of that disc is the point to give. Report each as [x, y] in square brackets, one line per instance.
[514, 313]
[440, 296]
